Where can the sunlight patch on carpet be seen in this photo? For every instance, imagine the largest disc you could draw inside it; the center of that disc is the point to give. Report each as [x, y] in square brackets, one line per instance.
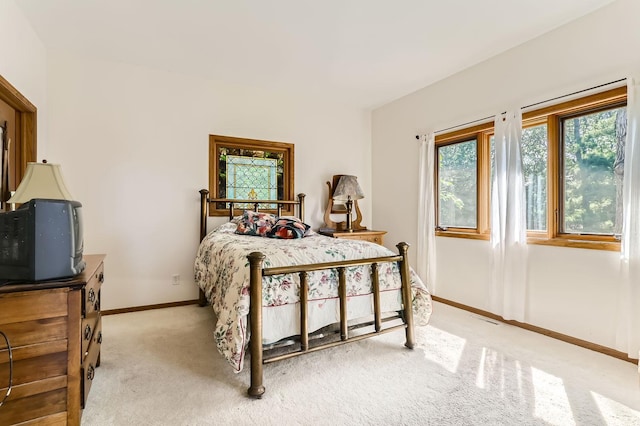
[492, 368]
[480, 379]
[615, 412]
[449, 349]
[551, 401]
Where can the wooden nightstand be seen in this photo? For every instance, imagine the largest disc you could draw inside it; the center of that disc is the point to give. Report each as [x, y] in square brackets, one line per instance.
[366, 234]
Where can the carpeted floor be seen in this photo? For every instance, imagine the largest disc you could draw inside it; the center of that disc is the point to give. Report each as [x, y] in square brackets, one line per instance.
[160, 367]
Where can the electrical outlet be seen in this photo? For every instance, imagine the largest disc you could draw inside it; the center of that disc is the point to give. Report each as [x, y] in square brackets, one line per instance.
[175, 279]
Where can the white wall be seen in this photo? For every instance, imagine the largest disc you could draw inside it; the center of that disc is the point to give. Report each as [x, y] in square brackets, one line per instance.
[571, 291]
[133, 144]
[23, 62]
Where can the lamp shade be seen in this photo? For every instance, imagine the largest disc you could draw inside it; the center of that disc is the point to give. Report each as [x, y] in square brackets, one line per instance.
[41, 180]
[348, 187]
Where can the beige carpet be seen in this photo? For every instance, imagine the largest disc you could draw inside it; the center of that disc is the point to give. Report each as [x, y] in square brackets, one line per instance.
[160, 368]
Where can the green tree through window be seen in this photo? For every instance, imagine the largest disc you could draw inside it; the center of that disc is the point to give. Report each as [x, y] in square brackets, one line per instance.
[573, 164]
[457, 185]
[590, 190]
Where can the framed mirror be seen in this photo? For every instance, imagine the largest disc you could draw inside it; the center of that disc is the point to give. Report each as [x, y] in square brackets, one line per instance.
[18, 119]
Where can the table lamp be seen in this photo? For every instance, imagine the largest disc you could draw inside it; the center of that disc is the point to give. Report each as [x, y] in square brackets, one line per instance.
[41, 180]
[346, 191]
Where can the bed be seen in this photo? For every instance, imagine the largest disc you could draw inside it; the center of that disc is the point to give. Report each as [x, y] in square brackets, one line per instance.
[314, 291]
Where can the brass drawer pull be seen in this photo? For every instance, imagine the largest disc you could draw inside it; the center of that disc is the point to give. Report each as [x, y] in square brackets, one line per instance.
[101, 277]
[90, 372]
[92, 296]
[87, 332]
[99, 338]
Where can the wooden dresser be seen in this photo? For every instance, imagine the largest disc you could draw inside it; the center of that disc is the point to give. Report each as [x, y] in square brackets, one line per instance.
[54, 329]
[365, 234]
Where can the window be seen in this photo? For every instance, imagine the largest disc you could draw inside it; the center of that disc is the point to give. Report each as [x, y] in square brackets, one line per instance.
[572, 158]
[592, 150]
[534, 168]
[457, 189]
[249, 169]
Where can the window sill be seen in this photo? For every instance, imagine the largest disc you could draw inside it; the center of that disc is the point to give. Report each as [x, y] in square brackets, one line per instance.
[583, 244]
[467, 235]
[556, 242]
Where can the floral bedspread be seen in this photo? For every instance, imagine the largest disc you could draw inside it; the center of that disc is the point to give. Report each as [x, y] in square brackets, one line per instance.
[222, 272]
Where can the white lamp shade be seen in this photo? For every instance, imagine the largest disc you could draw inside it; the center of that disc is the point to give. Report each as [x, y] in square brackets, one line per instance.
[348, 187]
[41, 180]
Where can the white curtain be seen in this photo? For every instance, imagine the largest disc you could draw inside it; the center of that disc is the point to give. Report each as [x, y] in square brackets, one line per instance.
[628, 336]
[426, 265]
[508, 221]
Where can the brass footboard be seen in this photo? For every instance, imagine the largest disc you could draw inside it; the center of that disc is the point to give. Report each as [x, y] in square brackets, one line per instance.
[257, 388]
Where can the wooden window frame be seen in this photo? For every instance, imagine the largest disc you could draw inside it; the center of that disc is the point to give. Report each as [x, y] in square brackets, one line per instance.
[287, 149]
[551, 116]
[481, 134]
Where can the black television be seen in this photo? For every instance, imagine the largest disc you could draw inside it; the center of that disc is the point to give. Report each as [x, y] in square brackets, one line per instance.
[41, 240]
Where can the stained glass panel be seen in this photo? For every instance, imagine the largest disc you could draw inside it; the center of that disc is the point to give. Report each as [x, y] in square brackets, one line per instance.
[252, 178]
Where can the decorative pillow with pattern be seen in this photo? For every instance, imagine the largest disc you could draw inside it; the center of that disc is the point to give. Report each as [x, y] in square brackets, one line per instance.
[308, 232]
[256, 223]
[288, 228]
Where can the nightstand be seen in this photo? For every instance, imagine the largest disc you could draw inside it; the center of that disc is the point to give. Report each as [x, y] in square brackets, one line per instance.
[365, 234]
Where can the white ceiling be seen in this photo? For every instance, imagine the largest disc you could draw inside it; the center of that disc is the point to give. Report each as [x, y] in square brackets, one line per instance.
[365, 52]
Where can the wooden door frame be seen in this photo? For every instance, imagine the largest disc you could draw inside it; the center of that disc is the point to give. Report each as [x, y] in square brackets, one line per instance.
[26, 126]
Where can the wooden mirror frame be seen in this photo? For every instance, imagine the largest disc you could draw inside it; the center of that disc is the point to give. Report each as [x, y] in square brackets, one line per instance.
[25, 142]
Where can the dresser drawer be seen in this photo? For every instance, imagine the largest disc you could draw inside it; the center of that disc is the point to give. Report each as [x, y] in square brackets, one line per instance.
[36, 331]
[376, 239]
[361, 234]
[44, 408]
[372, 238]
[91, 293]
[90, 362]
[27, 306]
[35, 362]
[88, 332]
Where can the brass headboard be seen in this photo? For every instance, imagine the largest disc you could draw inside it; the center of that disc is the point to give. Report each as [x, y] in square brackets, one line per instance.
[205, 201]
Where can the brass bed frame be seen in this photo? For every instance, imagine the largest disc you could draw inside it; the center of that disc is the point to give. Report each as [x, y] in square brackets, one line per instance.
[259, 355]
